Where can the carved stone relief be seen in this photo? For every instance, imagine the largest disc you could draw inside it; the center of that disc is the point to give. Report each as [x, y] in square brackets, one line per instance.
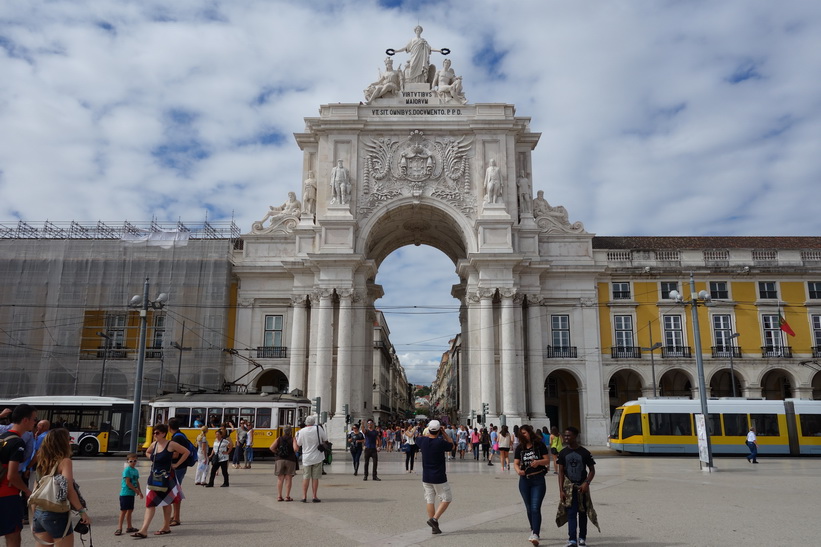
[417, 166]
[553, 220]
[283, 218]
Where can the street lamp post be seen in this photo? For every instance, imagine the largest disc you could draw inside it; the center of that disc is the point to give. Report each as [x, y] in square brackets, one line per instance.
[106, 343]
[143, 303]
[732, 372]
[695, 298]
[182, 349]
[652, 349]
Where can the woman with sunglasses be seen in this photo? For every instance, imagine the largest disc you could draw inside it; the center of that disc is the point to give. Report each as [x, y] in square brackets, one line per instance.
[161, 453]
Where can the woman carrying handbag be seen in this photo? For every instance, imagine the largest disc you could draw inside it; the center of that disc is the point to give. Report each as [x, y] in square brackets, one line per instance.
[219, 459]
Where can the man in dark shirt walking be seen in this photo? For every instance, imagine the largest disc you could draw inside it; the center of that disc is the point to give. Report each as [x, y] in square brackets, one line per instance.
[576, 470]
[372, 440]
[434, 447]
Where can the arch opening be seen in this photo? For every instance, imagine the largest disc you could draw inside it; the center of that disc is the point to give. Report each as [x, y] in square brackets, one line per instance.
[676, 383]
[561, 394]
[777, 384]
[720, 385]
[624, 385]
[272, 381]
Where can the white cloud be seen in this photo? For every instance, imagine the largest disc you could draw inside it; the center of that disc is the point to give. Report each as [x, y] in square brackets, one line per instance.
[649, 125]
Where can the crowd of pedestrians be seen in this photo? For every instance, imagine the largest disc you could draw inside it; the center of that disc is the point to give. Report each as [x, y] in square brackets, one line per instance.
[27, 445]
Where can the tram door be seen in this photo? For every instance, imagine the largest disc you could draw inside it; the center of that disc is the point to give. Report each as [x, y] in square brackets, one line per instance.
[120, 436]
[286, 417]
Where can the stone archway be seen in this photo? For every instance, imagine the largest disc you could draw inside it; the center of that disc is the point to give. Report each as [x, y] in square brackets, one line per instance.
[561, 399]
[777, 384]
[625, 385]
[272, 381]
[720, 385]
[816, 387]
[676, 383]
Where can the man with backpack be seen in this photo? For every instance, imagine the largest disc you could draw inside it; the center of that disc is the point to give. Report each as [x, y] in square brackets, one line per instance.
[12, 455]
[179, 437]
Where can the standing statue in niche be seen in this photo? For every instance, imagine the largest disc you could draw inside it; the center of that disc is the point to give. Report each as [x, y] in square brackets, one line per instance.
[418, 69]
[493, 183]
[525, 193]
[340, 184]
[448, 85]
[309, 195]
[388, 83]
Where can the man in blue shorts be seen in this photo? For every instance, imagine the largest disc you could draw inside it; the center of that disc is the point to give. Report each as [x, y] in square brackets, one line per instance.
[12, 455]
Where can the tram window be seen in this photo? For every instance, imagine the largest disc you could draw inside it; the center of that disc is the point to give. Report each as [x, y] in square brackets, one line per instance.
[766, 425]
[810, 425]
[670, 424]
[714, 424]
[247, 414]
[183, 414]
[614, 423]
[231, 415]
[263, 418]
[735, 425]
[632, 425]
[214, 417]
[160, 415]
[198, 417]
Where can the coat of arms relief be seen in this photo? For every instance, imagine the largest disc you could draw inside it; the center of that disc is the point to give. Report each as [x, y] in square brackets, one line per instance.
[417, 166]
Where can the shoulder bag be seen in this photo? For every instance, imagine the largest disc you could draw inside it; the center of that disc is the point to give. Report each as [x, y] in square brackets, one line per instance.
[157, 478]
[51, 494]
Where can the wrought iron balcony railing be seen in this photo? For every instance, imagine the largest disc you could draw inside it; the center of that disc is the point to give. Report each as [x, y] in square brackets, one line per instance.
[668, 352]
[272, 352]
[724, 352]
[625, 352]
[776, 351]
[561, 352]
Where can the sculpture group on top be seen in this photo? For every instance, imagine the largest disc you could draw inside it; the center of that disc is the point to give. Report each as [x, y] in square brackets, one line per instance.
[444, 83]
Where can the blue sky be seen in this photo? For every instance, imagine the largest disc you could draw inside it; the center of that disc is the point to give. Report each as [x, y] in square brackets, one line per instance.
[657, 117]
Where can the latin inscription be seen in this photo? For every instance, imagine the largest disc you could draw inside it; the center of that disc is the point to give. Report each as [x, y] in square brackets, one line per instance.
[416, 111]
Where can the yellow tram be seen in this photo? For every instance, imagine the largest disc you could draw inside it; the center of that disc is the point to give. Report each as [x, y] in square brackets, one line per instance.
[667, 426]
[269, 414]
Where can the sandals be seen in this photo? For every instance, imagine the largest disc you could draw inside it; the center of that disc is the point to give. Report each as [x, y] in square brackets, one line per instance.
[174, 522]
[137, 535]
[162, 532]
[289, 498]
[280, 498]
[131, 530]
[118, 532]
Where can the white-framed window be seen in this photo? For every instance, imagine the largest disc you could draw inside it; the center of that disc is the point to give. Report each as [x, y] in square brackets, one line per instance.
[273, 331]
[772, 331]
[560, 330]
[158, 333]
[673, 334]
[719, 291]
[621, 290]
[814, 290]
[623, 325]
[666, 287]
[722, 329]
[115, 329]
[816, 332]
[767, 290]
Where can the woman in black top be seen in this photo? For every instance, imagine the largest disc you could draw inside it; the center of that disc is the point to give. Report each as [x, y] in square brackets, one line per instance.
[530, 462]
[356, 441]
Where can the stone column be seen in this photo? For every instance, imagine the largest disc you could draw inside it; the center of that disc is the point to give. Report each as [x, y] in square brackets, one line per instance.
[487, 351]
[535, 358]
[324, 349]
[343, 358]
[507, 342]
[296, 376]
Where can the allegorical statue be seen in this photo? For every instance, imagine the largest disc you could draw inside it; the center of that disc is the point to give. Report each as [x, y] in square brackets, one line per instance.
[309, 194]
[493, 182]
[541, 208]
[340, 184]
[388, 84]
[418, 69]
[448, 85]
[525, 193]
[290, 208]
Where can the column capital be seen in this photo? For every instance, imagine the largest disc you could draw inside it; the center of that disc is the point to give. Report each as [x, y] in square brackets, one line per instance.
[299, 299]
[321, 294]
[535, 299]
[507, 292]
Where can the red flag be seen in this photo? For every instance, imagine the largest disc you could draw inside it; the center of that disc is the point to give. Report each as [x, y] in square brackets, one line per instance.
[784, 325]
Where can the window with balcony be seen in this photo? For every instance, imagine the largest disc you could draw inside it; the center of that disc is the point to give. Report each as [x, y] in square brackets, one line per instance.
[773, 338]
[624, 348]
[666, 287]
[154, 351]
[722, 331]
[718, 290]
[674, 337]
[560, 337]
[816, 335]
[767, 290]
[814, 290]
[272, 347]
[621, 291]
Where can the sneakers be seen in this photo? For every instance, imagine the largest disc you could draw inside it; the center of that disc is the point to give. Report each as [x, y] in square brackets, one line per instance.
[534, 539]
[571, 543]
[582, 542]
[434, 524]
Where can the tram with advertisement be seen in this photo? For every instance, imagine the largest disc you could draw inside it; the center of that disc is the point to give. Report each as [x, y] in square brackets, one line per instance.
[268, 413]
[667, 426]
[96, 425]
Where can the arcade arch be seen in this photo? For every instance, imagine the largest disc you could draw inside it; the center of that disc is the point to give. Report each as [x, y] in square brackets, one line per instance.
[676, 383]
[561, 399]
[720, 385]
[625, 385]
[777, 384]
[272, 381]
[816, 386]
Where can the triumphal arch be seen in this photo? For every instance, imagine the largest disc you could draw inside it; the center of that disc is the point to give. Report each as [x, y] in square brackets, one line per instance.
[413, 161]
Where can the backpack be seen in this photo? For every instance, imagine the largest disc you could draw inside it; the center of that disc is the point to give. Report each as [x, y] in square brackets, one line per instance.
[183, 440]
[284, 449]
[10, 436]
